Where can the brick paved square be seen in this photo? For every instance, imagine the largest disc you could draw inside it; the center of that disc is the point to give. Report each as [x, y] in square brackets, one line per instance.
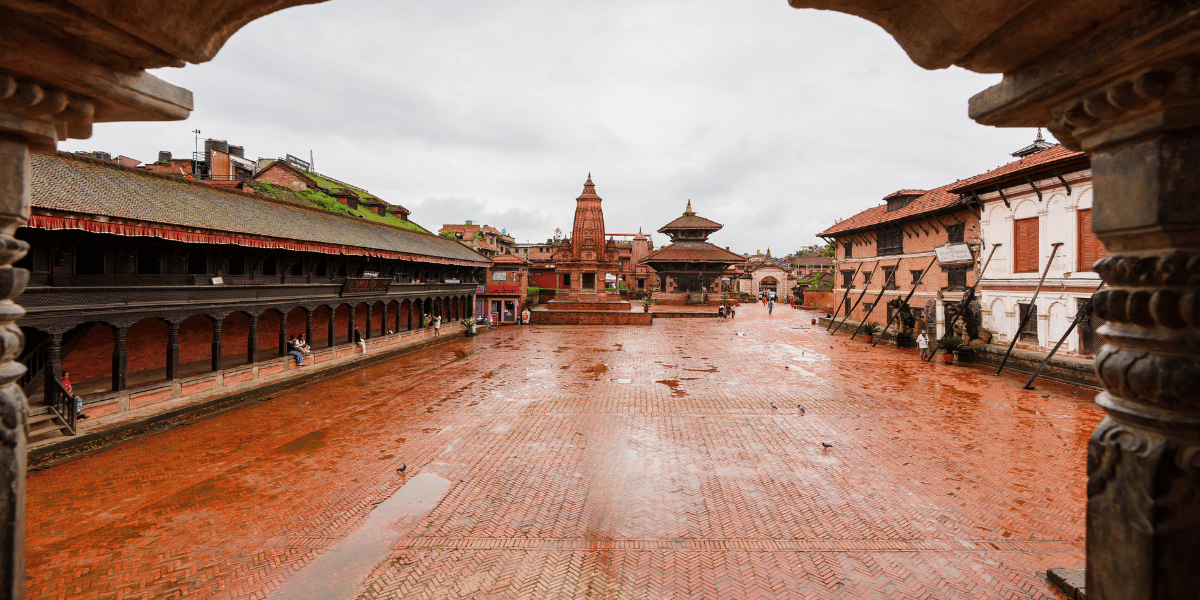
[597, 462]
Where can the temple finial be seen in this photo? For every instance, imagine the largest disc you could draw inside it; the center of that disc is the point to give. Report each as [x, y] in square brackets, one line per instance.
[688, 211]
[1039, 135]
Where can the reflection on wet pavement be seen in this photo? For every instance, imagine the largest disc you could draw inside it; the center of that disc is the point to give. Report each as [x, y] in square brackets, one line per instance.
[574, 462]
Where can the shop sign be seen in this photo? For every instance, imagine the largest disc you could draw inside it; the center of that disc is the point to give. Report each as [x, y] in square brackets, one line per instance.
[954, 254]
[500, 276]
[359, 286]
[503, 289]
[479, 289]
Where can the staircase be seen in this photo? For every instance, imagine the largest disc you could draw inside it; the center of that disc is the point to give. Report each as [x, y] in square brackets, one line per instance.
[60, 414]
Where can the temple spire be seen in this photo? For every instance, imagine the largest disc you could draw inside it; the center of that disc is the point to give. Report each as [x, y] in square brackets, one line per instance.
[688, 211]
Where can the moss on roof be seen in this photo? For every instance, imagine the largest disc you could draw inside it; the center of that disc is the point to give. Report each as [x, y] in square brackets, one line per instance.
[319, 199]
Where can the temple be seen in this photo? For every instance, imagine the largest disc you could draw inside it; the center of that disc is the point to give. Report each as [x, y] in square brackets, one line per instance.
[689, 266]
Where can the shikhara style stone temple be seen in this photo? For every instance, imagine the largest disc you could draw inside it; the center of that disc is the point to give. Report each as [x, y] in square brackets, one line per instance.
[1117, 79]
[585, 261]
[689, 267]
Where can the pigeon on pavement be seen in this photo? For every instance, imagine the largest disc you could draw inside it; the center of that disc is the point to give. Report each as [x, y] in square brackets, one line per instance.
[826, 446]
[801, 408]
[402, 468]
[774, 407]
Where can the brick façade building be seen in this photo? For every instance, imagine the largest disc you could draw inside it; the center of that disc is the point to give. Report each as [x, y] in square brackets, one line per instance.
[144, 281]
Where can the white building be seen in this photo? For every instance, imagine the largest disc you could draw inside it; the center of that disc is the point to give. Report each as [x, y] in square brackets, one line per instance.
[1028, 206]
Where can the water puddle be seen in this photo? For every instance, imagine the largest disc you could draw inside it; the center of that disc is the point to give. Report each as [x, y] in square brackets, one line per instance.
[339, 572]
[674, 385]
[622, 381]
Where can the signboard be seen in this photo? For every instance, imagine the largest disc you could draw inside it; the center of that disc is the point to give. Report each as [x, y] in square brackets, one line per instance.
[361, 286]
[503, 289]
[479, 289]
[370, 274]
[954, 255]
[451, 281]
[500, 276]
[218, 280]
[303, 165]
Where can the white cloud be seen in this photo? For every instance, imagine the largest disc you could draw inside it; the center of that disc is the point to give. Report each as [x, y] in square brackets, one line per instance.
[773, 121]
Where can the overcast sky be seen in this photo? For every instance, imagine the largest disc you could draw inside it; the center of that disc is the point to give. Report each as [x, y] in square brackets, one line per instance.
[771, 120]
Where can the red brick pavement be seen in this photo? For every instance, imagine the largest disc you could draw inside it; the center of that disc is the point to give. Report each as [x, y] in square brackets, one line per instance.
[619, 462]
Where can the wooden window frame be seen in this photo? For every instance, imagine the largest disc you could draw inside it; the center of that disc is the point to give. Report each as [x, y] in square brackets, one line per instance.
[1028, 262]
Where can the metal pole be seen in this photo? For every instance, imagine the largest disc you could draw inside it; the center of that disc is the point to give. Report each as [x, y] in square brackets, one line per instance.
[1084, 311]
[860, 299]
[970, 295]
[905, 303]
[1032, 307]
[882, 291]
[844, 296]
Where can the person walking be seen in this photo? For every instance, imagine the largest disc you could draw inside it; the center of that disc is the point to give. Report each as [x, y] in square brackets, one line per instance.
[923, 344]
[732, 311]
[525, 316]
[358, 339]
[437, 326]
[770, 306]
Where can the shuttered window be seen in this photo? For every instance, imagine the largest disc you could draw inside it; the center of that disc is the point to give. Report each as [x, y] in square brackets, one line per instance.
[1025, 245]
[1091, 249]
[847, 279]
[849, 249]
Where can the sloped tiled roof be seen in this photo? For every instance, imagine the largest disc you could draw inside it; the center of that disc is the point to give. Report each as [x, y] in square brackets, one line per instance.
[693, 251]
[948, 195]
[690, 222]
[904, 193]
[509, 259]
[91, 188]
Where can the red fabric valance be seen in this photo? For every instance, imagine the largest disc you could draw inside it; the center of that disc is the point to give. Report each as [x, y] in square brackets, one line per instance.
[195, 237]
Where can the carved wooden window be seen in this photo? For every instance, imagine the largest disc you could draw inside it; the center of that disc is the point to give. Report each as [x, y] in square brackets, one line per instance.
[848, 306]
[848, 249]
[889, 278]
[916, 277]
[867, 308]
[197, 262]
[847, 279]
[867, 277]
[270, 266]
[955, 233]
[956, 277]
[1029, 332]
[149, 259]
[1025, 245]
[890, 242]
[1091, 249]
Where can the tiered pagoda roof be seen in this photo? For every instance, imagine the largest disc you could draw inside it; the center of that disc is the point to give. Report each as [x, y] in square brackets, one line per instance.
[690, 244]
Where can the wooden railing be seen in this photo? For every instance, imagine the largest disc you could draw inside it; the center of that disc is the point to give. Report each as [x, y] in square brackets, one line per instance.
[64, 406]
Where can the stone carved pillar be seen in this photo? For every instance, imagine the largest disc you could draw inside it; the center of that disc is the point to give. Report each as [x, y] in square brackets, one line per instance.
[252, 340]
[14, 419]
[172, 350]
[120, 359]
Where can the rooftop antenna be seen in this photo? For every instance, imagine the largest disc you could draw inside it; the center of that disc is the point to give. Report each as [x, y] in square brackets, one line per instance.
[196, 153]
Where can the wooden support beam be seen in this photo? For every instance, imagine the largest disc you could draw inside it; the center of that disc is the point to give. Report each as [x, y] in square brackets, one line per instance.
[1003, 197]
[1035, 188]
[1063, 181]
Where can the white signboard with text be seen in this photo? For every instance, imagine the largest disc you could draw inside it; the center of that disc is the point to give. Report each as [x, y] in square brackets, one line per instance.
[955, 254]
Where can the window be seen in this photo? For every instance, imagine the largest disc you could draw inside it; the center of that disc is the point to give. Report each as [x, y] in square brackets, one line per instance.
[270, 266]
[954, 233]
[916, 276]
[89, 259]
[321, 269]
[1091, 249]
[1025, 245]
[956, 277]
[867, 308]
[1029, 332]
[589, 281]
[149, 259]
[641, 284]
[899, 202]
[890, 242]
[848, 249]
[867, 277]
[197, 262]
[889, 278]
[237, 264]
[567, 280]
[297, 268]
[847, 279]
[847, 308]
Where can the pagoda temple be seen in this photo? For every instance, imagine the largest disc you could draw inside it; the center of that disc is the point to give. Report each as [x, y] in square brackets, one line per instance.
[689, 262]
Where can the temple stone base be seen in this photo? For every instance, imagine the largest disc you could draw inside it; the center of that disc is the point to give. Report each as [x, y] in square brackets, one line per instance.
[544, 316]
[589, 302]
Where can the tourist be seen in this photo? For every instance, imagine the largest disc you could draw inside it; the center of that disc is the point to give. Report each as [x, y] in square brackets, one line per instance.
[358, 339]
[294, 351]
[721, 312]
[770, 306]
[302, 345]
[732, 311]
[525, 316]
[437, 325]
[66, 384]
[923, 344]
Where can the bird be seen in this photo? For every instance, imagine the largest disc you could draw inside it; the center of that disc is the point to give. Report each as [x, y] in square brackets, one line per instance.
[774, 407]
[402, 468]
[826, 446]
[1046, 396]
[786, 367]
[800, 408]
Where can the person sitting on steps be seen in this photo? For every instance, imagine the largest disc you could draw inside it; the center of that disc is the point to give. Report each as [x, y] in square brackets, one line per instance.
[294, 351]
[66, 384]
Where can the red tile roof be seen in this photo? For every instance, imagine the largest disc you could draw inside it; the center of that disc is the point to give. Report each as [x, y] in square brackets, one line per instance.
[693, 251]
[948, 195]
[509, 259]
[690, 222]
[904, 193]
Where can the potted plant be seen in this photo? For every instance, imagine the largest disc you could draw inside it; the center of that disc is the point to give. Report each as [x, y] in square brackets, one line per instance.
[871, 329]
[949, 345]
[646, 303]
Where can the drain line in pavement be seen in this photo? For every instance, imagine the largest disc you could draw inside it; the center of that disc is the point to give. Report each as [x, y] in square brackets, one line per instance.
[338, 573]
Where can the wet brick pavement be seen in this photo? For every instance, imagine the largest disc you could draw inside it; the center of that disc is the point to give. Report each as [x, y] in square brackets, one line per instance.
[590, 462]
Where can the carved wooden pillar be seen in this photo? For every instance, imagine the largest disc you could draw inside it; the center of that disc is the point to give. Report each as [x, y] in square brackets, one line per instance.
[216, 343]
[53, 368]
[283, 334]
[350, 324]
[367, 331]
[308, 325]
[332, 314]
[172, 350]
[252, 340]
[120, 360]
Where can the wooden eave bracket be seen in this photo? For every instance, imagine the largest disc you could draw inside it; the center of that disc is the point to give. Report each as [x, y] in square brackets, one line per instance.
[1035, 188]
[1062, 181]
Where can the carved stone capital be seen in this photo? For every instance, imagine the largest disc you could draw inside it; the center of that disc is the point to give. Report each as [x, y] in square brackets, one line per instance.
[42, 113]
